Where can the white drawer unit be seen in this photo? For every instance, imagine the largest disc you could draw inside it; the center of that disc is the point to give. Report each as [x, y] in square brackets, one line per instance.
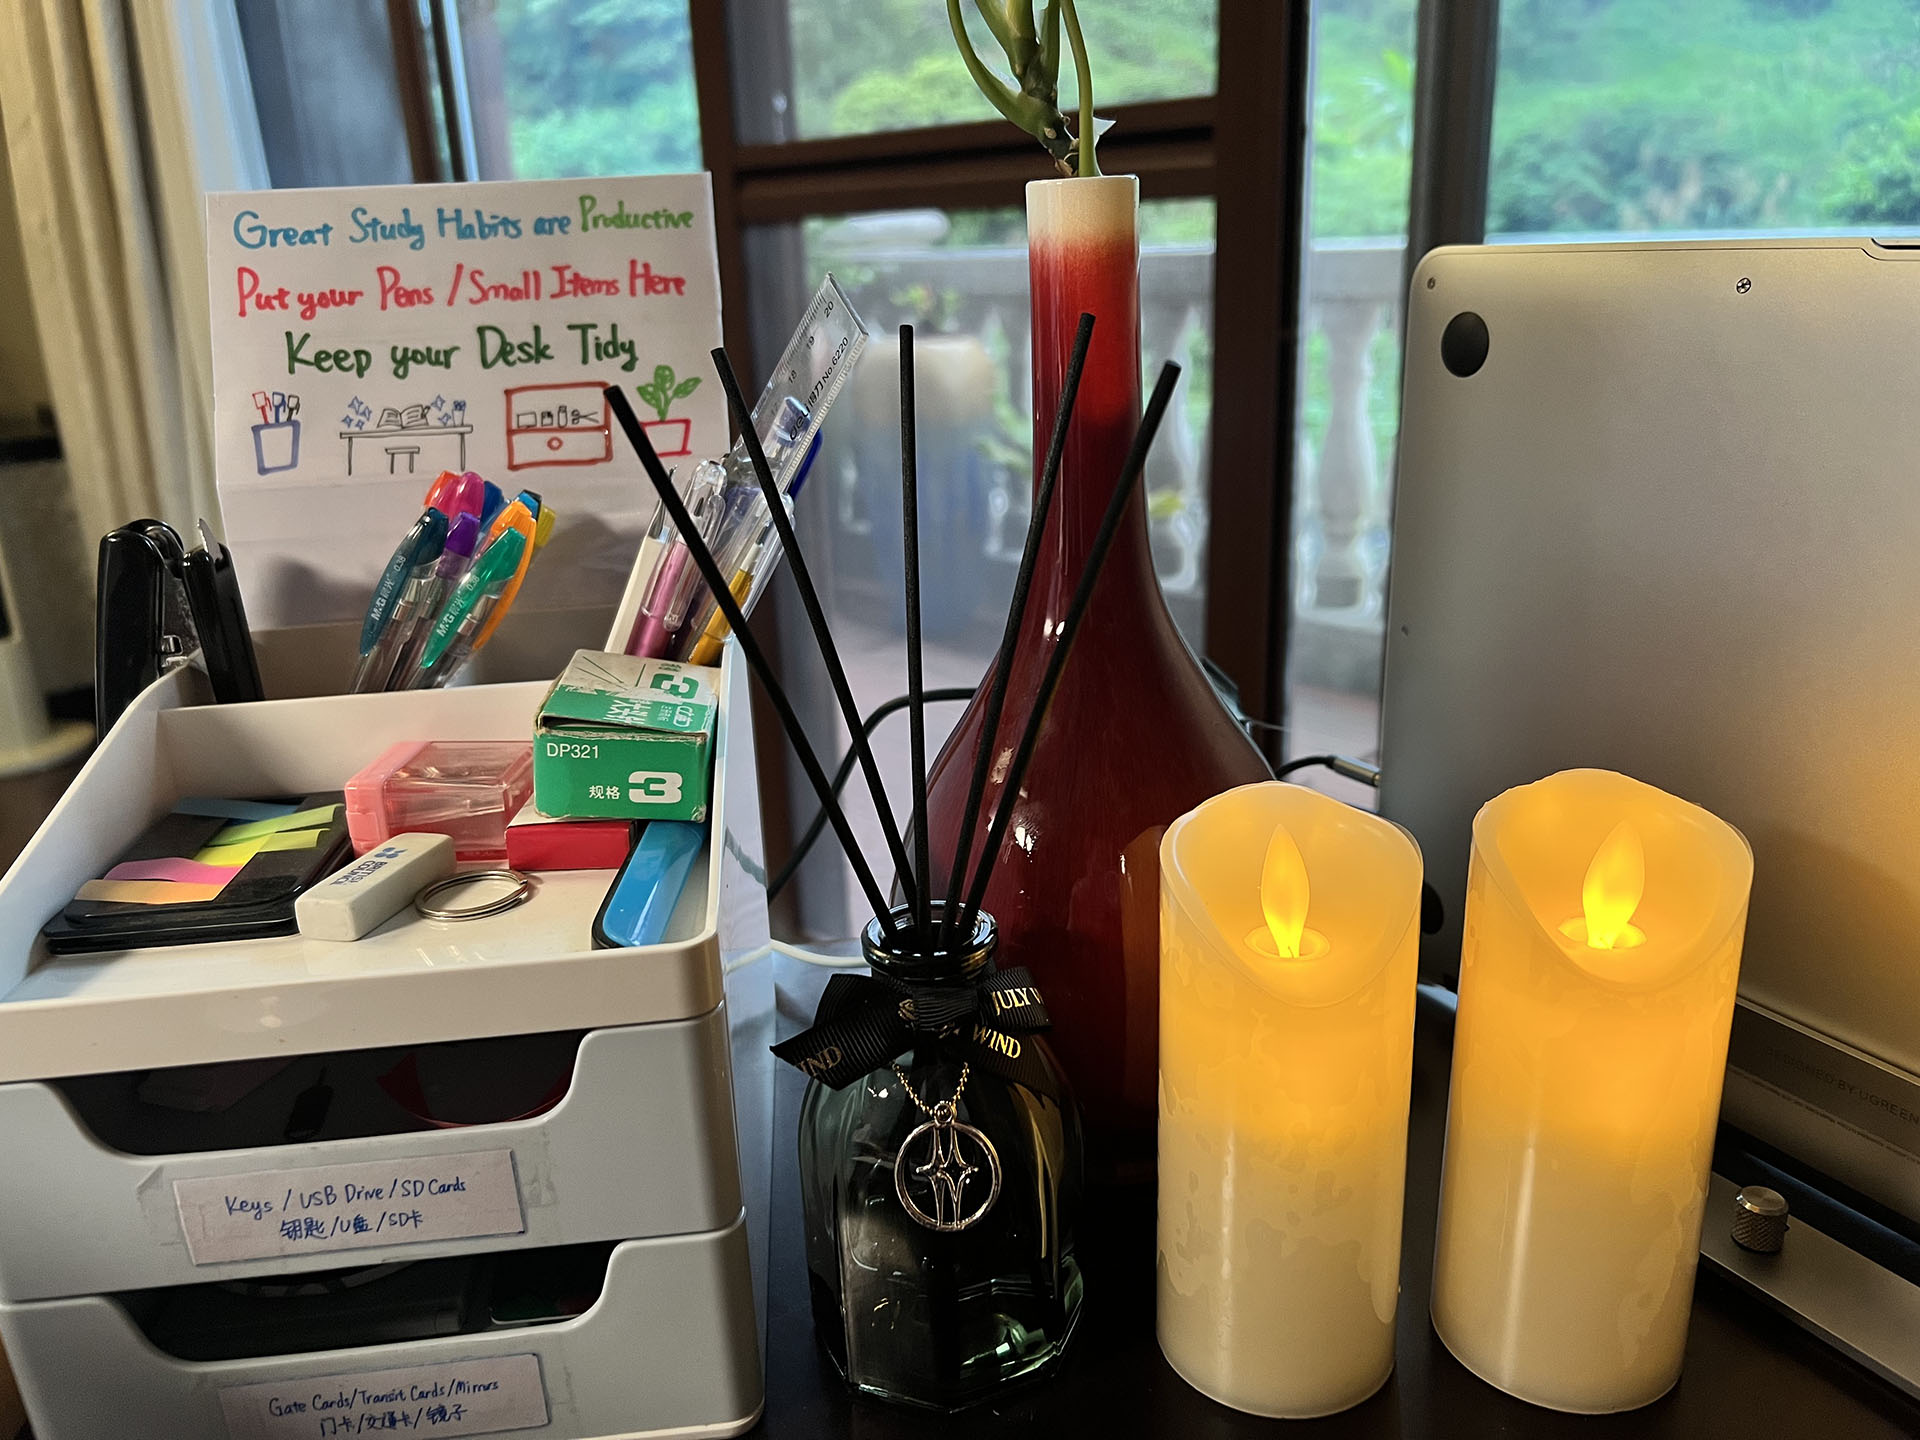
[386, 1261]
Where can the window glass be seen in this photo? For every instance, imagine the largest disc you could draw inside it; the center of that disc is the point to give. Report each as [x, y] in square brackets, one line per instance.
[1714, 115]
[561, 88]
[1351, 272]
[892, 64]
[960, 278]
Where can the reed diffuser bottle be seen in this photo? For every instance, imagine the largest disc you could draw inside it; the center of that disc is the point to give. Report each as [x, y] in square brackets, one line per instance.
[939, 1145]
[940, 1185]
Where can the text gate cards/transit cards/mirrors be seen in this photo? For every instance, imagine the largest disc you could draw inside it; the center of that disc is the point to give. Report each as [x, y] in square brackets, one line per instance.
[364, 340]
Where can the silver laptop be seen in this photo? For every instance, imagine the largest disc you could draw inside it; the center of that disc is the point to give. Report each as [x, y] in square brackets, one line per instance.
[1659, 511]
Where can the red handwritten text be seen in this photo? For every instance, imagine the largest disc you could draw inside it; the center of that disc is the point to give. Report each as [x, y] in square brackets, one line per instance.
[642, 280]
[396, 296]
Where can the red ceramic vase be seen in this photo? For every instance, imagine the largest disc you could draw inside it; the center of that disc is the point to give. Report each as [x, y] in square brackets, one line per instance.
[1135, 737]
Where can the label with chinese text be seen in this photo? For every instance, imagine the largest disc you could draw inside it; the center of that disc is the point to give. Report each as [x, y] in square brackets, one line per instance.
[464, 1397]
[348, 1207]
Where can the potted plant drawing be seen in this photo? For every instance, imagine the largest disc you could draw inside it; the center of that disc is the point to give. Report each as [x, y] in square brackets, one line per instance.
[670, 437]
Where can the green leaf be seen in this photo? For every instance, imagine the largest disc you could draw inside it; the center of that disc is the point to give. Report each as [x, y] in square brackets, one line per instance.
[991, 86]
[663, 378]
[686, 387]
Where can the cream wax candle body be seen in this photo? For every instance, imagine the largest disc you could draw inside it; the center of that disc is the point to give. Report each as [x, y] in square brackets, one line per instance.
[1602, 946]
[1289, 940]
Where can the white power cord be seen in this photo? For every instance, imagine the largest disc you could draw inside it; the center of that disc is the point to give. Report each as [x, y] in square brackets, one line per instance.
[828, 955]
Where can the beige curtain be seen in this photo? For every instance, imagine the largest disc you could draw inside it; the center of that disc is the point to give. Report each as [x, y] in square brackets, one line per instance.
[119, 116]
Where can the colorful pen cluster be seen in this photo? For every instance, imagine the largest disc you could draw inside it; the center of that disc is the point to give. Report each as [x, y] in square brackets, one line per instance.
[450, 583]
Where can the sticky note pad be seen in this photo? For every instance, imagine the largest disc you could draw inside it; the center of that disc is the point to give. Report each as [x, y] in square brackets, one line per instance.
[298, 820]
[184, 872]
[233, 809]
[244, 851]
[146, 892]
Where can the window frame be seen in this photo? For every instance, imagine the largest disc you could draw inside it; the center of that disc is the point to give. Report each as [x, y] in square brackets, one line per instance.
[1244, 147]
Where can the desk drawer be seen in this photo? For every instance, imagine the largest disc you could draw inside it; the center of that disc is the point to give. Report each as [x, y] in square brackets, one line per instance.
[670, 1347]
[641, 1144]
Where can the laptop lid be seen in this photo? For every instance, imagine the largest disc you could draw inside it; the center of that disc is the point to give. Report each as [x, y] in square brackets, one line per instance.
[1659, 511]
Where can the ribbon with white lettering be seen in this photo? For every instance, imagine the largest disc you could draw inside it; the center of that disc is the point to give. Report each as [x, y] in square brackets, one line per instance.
[864, 1021]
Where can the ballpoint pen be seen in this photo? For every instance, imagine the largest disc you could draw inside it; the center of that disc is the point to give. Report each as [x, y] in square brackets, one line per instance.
[440, 495]
[750, 566]
[674, 578]
[420, 601]
[456, 633]
[414, 559]
[534, 522]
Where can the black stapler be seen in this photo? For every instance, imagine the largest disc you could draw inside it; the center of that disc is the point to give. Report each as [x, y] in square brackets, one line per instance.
[158, 601]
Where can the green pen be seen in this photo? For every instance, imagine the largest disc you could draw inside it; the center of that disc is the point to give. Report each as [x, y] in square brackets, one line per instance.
[459, 624]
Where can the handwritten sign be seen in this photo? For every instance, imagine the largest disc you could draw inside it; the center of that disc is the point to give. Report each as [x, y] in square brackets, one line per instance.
[467, 1397]
[366, 339]
[322, 1208]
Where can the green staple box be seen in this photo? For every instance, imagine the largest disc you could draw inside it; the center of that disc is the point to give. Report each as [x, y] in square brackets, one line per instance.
[625, 738]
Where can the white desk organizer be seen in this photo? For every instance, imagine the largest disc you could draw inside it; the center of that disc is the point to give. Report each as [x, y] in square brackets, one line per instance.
[641, 1156]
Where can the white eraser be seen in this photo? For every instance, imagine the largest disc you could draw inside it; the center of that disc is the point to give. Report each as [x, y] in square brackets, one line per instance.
[374, 888]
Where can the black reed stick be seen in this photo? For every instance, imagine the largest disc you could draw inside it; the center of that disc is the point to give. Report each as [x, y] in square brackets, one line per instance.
[816, 616]
[916, 683]
[1010, 637]
[1069, 627]
[716, 582]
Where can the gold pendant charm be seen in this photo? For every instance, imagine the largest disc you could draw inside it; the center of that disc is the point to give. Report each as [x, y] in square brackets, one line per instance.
[952, 1163]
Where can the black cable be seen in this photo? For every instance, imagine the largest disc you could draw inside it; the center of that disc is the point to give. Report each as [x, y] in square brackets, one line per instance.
[842, 775]
[1345, 765]
[1305, 762]
[1352, 769]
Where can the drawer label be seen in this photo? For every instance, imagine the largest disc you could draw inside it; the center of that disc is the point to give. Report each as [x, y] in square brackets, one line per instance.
[311, 1211]
[462, 1397]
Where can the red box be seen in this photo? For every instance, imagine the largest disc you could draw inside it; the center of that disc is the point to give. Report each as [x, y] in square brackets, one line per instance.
[540, 842]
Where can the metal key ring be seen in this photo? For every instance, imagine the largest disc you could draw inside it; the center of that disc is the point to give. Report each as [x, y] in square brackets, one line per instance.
[521, 893]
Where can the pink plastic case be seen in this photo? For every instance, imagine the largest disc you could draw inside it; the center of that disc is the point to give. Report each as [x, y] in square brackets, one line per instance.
[466, 789]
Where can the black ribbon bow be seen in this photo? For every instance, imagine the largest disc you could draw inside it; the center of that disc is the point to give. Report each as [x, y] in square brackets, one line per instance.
[865, 1020]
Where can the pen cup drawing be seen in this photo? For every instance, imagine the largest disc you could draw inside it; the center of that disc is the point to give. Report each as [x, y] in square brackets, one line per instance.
[276, 439]
[276, 447]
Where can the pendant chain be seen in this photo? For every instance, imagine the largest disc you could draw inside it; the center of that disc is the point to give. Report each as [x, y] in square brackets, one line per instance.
[948, 1105]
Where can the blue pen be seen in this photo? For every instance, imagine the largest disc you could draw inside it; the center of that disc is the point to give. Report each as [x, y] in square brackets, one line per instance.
[647, 889]
[492, 504]
[414, 559]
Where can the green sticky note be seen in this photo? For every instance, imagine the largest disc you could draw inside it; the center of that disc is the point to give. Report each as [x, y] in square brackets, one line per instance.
[244, 851]
[254, 829]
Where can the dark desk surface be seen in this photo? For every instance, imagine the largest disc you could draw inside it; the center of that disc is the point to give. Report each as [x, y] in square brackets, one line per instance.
[1748, 1373]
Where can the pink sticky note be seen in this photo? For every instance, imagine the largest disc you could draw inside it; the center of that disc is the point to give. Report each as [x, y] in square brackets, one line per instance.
[185, 872]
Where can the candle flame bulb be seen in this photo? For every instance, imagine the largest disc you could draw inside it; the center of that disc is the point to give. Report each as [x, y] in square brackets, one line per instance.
[1615, 881]
[1283, 901]
[1283, 894]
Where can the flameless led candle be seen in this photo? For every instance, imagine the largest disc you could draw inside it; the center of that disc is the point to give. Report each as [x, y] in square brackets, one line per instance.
[1289, 937]
[1603, 929]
